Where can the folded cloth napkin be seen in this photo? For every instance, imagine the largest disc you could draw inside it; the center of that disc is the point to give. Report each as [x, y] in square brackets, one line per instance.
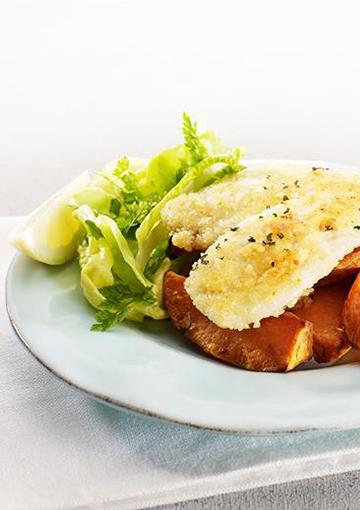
[59, 449]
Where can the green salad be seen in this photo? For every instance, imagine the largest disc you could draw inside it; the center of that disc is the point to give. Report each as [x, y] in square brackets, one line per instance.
[116, 225]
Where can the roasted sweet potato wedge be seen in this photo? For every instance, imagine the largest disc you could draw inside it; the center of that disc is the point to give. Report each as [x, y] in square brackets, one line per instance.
[324, 311]
[353, 356]
[278, 345]
[351, 314]
[347, 267]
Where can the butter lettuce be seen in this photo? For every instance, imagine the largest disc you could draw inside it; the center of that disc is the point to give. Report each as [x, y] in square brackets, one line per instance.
[96, 262]
[123, 257]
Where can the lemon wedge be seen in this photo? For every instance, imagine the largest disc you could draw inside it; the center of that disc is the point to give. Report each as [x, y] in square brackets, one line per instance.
[51, 234]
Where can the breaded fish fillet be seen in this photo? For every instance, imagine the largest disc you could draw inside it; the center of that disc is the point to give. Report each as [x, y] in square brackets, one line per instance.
[267, 262]
[197, 219]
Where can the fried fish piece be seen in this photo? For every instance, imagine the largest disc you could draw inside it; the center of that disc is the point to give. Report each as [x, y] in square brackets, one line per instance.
[196, 220]
[263, 266]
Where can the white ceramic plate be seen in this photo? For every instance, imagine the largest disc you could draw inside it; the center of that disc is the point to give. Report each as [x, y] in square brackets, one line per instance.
[152, 369]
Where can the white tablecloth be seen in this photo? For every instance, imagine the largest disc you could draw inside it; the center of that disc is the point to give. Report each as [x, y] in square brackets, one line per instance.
[59, 449]
[84, 81]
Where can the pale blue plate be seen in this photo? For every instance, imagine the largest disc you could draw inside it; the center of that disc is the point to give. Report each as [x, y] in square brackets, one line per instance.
[152, 369]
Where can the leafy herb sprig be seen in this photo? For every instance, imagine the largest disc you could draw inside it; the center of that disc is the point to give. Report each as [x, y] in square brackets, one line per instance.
[119, 300]
[192, 140]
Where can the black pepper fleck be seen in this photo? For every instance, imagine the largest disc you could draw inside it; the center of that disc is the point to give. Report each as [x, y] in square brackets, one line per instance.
[280, 235]
[203, 259]
[285, 197]
[234, 229]
[286, 210]
[272, 264]
[297, 183]
[274, 214]
[251, 239]
[269, 240]
[357, 227]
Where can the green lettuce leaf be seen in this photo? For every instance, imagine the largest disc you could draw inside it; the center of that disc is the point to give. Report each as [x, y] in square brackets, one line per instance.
[152, 231]
[96, 263]
[124, 256]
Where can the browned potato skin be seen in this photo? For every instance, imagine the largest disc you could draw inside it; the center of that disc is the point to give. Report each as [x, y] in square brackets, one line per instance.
[351, 314]
[347, 267]
[278, 345]
[353, 356]
[324, 311]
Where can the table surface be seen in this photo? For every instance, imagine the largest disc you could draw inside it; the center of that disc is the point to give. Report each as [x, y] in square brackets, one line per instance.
[276, 77]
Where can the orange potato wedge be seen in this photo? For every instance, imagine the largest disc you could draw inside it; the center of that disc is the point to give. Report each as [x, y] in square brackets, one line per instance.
[348, 266]
[324, 311]
[278, 345]
[353, 356]
[351, 314]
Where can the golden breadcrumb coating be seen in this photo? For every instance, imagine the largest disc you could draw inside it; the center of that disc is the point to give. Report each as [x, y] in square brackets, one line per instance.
[197, 219]
[269, 260]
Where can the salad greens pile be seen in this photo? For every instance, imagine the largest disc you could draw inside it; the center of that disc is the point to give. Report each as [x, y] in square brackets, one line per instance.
[123, 256]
